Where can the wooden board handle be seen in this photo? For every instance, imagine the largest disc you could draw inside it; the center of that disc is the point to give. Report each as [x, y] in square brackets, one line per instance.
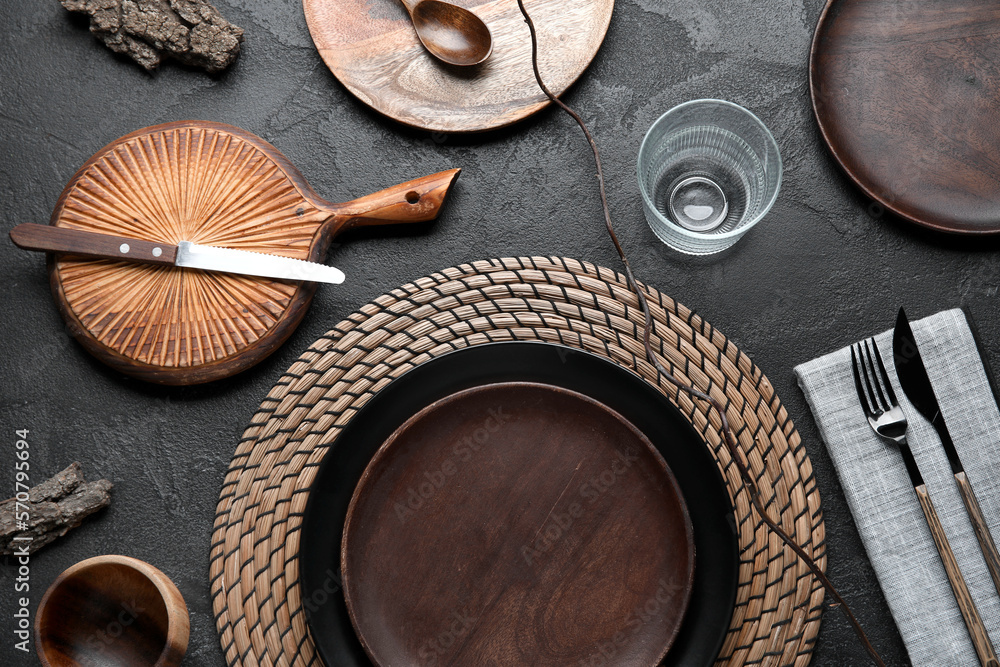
[986, 543]
[90, 244]
[418, 200]
[977, 631]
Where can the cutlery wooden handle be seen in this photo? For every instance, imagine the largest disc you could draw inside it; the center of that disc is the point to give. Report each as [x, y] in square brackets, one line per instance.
[977, 631]
[90, 244]
[986, 543]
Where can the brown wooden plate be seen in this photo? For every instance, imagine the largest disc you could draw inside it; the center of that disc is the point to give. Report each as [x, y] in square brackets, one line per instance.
[370, 46]
[512, 524]
[907, 97]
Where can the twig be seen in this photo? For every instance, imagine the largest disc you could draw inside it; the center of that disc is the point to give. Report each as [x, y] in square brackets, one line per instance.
[728, 437]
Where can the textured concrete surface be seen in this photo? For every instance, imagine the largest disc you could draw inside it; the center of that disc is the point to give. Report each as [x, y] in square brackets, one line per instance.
[819, 272]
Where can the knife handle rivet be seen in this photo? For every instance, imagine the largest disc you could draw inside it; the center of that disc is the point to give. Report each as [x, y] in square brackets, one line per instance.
[123, 248]
[157, 251]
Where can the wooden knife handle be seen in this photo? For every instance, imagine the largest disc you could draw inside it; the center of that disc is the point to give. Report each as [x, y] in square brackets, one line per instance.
[90, 244]
[977, 631]
[986, 543]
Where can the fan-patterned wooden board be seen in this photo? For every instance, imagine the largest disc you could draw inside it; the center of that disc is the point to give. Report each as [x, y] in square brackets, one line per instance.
[211, 184]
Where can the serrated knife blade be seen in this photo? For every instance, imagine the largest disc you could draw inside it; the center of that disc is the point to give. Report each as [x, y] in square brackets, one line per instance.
[229, 260]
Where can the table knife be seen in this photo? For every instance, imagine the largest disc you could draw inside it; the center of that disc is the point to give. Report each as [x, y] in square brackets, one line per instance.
[185, 254]
[917, 387]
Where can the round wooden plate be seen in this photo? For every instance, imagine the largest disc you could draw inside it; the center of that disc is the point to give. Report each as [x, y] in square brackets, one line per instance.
[370, 46]
[511, 524]
[907, 96]
[213, 184]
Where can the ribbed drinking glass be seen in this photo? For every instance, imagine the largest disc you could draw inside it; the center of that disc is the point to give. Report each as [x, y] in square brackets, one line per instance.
[709, 170]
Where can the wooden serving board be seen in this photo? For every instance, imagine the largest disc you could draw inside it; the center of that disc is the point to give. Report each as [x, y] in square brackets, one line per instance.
[212, 184]
[907, 96]
[370, 46]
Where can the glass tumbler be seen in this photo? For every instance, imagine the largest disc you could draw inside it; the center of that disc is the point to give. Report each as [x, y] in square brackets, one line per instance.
[709, 170]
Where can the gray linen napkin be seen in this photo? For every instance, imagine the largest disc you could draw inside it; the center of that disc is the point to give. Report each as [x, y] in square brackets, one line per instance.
[882, 500]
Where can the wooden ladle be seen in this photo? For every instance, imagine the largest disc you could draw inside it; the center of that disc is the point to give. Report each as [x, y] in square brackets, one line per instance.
[212, 184]
[450, 33]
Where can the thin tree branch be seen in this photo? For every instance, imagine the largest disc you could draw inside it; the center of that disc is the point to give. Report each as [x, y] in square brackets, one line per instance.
[728, 438]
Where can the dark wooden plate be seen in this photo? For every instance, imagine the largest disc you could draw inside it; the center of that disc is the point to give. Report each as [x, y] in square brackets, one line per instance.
[512, 524]
[709, 503]
[907, 97]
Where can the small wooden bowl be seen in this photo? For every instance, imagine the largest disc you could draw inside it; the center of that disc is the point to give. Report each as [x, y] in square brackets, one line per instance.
[112, 611]
[517, 524]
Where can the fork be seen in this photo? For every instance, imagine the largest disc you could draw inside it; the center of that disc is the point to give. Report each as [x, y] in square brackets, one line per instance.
[888, 421]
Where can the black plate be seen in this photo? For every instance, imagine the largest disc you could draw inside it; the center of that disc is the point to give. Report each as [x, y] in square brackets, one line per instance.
[709, 504]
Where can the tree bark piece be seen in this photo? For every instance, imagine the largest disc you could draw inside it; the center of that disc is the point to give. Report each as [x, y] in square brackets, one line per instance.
[189, 31]
[54, 507]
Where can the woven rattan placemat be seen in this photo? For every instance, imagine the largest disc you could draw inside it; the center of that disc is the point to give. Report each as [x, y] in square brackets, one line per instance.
[254, 566]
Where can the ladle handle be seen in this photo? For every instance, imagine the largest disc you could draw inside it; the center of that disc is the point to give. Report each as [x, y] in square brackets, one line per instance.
[418, 200]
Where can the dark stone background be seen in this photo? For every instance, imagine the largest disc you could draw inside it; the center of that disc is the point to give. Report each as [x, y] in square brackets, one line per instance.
[818, 273]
